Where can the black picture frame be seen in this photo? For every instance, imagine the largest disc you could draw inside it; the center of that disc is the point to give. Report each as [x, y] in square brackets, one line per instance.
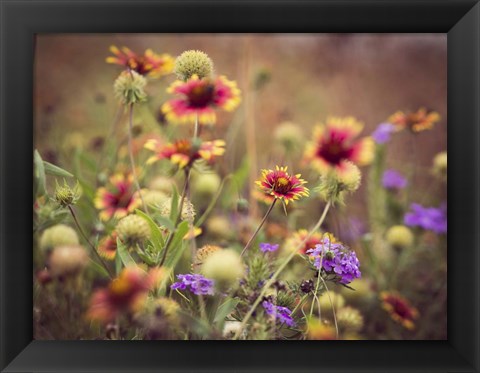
[21, 20]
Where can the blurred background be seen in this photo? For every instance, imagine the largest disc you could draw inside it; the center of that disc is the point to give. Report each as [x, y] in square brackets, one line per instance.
[298, 78]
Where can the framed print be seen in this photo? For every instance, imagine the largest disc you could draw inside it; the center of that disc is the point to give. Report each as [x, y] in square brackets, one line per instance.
[251, 185]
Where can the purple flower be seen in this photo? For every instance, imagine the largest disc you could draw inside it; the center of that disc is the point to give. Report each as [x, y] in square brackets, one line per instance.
[265, 246]
[195, 283]
[282, 314]
[383, 132]
[336, 259]
[428, 218]
[393, 180]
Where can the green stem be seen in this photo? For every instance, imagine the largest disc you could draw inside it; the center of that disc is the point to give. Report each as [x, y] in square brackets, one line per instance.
[270, 282]
[213, 202]
[250, 241]
[74, 216]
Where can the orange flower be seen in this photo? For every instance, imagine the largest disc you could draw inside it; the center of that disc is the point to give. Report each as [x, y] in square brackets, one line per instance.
[184, 152]
[418, 121]
[334, 145]
[125, 294]
[280, 185]
[118, 198]
[151, 64]
[399, 309]
[199, 98]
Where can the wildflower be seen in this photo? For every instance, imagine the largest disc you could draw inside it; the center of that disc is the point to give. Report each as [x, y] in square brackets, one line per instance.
[65, 195]
[150, 63]
[399, 308]
[193, 62]
[279, 184]
[219, 227]
[335, 143]
[195, 283]
[289, 135]
[393, 180]
[383, 132]
[335, 259]
[319, 330]
[202, 254]
[334, 185]
[298, 237]
[199, 98]
[224, 266]
[133, 229]
[282, 315]
[428, 218]
[440, 165]
[107, 247]
[58, 235]
[67, 260]
[349, 319]
[125, 294]
[399, 237]
[188, 209]
[117, 199]
[206, 183]
[129, 87]
[418, 121]
[268, 247]
[184, 152]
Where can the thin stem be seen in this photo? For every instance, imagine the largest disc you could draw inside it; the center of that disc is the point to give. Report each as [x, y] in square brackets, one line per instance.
[280, 269]
[249, 243]
[213, 202]
[132, 161]
[331, 303]
[178, 217]
[74, 216]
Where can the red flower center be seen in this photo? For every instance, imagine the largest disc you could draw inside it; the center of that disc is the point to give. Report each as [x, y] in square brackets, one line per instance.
[401, 308]
[334, 151]
[282, 185]
[201, 95]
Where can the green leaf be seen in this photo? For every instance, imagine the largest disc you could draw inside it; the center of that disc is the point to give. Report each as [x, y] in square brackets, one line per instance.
[122, 251]
[225, 309]
[167, 223]
[55, 170]
[118, 264]
[157, 238]
[98, 268]
[177, 246]
[39, 173]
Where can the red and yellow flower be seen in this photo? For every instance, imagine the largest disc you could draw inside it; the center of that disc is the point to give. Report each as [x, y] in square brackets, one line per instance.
[107, 247]
[118, 198]
[199, 98]
[416, 121]
[150, 63]
[280, 185]
[184, 152]
[335, 144]
[299, 236]
[125, 294]
[399, 308]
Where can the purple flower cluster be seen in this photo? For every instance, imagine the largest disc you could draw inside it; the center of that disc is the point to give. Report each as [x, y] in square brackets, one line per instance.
[265, 247]
[383, 132]
[393, 180]
[429, 218]
[196, 283]
[336, 259]
[282, 314]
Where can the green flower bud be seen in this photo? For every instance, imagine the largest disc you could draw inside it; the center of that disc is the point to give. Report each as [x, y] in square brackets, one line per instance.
[193, 62]
[58, 235]
[206, 184]
[400, 237]
[132, 229]
[225, 267]
[65, 195]
[129, 87]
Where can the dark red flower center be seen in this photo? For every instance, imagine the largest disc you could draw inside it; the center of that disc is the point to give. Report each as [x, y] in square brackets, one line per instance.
[401, 308]
[282, 185]
[334, 151]
[138, 64]
[201, 95]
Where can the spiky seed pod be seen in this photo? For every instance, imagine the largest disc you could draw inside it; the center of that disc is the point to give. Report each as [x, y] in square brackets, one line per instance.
[154, 198]
[349, 319]
[58, 235]
[193, 62]
[168, 309]
[129, 87]
[400, 237]
[335, 184]
[67, 260]
[132, 229]
[66, 195]
[225, 267]
[202, 254]
[188, 210]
